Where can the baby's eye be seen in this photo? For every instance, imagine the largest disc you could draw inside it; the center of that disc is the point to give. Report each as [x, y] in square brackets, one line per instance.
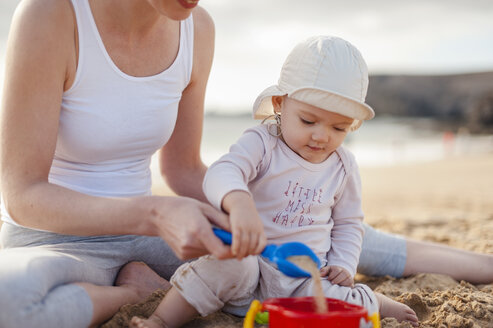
[340, 129]
[305, 121]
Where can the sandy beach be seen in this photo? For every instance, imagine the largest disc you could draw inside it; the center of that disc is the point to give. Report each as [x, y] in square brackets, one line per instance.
[448, 201]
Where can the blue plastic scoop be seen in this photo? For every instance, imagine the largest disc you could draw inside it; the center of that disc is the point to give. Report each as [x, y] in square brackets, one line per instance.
[278, 254]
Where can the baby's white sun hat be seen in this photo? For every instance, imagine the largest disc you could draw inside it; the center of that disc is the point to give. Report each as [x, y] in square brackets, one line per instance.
[323, 71]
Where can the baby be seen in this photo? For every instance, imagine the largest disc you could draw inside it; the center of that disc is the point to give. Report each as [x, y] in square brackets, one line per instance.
[290, 180]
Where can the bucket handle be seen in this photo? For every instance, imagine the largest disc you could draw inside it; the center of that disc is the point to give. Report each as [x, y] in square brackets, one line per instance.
[255, 308]
[374, 319]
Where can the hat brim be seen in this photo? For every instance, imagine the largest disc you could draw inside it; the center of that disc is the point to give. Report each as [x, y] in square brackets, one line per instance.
[324, 99]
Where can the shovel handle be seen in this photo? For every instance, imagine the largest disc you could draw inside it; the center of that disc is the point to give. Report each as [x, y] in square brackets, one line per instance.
[225, 236]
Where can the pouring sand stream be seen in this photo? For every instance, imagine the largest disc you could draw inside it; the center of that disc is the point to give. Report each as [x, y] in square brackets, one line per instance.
[307, 264]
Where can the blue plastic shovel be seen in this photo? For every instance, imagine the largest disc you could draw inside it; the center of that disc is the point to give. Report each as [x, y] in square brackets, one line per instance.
[278, 254]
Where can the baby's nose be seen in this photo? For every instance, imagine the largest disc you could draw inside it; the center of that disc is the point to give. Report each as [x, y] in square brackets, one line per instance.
[321, 134]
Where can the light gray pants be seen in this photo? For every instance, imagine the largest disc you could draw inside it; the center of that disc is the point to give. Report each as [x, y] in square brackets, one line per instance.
[38, 269]
[382, 254]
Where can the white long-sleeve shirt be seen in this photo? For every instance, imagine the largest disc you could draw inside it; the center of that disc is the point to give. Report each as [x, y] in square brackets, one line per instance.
[317, 204]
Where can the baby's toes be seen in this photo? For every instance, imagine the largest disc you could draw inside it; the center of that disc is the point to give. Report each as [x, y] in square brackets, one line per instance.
[412, 318]
[137, 322]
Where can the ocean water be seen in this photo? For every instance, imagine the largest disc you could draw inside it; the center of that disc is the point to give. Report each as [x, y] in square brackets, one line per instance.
[379, 142]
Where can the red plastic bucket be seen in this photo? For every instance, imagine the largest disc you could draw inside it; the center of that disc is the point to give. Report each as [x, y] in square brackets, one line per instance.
[300, 312]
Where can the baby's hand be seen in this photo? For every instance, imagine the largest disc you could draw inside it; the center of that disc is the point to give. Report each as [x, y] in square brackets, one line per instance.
[246, 225]
[337, 275]
[248, 234]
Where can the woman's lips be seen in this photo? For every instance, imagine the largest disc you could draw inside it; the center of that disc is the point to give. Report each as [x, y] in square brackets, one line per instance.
[188, 3]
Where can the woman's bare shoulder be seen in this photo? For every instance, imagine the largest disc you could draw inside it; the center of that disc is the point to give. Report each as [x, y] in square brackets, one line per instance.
[44, 15]
[204, 35]
[42, 33]
[203, 21]
[203, 28]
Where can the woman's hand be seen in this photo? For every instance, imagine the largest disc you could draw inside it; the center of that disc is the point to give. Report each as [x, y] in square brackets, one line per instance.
[246, 225]
[337, 275]
[185, 224]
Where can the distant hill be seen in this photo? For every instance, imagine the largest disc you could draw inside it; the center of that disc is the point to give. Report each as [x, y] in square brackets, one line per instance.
[464, 100]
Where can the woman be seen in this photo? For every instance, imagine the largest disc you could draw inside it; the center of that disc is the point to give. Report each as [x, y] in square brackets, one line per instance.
[92, 90]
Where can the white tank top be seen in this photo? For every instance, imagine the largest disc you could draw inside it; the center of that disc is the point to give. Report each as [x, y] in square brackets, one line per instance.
[111, 123]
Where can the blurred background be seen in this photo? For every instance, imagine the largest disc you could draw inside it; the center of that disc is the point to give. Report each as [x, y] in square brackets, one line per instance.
[430, 63]
[426, 159]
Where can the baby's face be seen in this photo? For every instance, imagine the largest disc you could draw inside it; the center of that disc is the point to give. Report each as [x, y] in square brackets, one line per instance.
[312, 132]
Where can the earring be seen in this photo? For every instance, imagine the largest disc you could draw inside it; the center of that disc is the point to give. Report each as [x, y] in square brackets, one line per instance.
[274, 126]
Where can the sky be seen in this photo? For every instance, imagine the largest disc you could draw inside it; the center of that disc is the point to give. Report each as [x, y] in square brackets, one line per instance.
[254, 37]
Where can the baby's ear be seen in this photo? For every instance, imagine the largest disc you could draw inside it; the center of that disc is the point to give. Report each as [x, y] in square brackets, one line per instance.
[277, 103]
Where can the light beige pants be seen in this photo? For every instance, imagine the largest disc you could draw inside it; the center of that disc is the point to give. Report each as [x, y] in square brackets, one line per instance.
[209, 285]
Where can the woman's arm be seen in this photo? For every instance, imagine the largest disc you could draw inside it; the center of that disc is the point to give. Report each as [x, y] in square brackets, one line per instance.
[40, 65]
[180, 162]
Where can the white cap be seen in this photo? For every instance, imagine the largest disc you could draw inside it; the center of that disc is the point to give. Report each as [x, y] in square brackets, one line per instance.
[326, 72]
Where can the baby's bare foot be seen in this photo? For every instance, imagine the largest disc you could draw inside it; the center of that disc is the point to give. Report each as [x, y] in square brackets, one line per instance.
[400, 311]
[140, 278]
[152, 322]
